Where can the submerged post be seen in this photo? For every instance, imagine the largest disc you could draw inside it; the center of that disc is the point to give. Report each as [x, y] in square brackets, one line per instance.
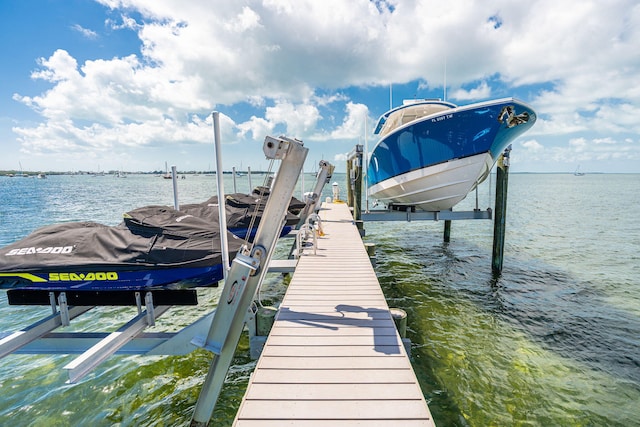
[502, 180]
[447, 230]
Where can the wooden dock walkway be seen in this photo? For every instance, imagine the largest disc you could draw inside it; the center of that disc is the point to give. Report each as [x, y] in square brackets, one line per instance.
[334, 357]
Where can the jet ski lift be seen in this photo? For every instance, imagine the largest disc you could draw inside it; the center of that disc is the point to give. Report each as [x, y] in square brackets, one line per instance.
[217, 331]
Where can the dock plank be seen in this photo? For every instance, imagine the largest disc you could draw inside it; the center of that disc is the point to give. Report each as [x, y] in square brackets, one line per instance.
[356, 410]
[333, 356]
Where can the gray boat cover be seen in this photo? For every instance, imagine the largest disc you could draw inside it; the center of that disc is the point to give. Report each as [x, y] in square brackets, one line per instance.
[149, 237]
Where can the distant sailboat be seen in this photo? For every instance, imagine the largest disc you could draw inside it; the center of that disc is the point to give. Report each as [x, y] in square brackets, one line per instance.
[166, 175]
[24, 175]
[577, 172]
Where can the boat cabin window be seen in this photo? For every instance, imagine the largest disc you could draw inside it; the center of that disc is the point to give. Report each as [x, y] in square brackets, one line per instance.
[409, 114]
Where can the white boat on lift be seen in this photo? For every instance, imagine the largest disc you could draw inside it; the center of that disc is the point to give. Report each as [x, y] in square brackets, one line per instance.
[432, 153]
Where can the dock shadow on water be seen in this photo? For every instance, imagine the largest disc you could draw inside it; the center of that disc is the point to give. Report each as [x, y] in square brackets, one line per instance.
[533, 346]
[571, 318]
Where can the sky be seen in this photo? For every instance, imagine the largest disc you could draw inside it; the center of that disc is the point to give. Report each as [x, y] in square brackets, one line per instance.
[131, 84]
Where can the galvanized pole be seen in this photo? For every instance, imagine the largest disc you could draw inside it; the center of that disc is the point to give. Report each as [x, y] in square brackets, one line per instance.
[502, 180]
[174, 178]
[222, 212]
[233, 174]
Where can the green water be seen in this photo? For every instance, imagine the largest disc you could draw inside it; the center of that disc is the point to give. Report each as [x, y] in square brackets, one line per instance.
[554, 341]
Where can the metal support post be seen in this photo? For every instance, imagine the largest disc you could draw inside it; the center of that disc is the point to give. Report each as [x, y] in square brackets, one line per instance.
[174, 179]
[19, 339]
[502, 180]
[222, 212]
[233, 175]
[323, 177]
[246, 273]
[64, 309]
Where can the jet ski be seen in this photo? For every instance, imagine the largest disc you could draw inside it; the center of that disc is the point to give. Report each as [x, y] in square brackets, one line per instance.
[241, 209]
[155, 247]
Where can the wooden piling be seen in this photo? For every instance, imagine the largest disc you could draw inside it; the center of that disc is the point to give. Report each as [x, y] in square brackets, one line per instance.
[447, 230]
[400, 319]
[264, 320]
[354, 178]
[500, 212]
[350, 192]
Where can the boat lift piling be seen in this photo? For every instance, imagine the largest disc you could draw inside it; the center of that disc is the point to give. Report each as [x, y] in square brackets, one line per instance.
[447, 231]
[499, 224]
[354, 174]
[354, 185]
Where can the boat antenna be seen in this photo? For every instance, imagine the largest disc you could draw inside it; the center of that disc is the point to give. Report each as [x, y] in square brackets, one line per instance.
[445, 79]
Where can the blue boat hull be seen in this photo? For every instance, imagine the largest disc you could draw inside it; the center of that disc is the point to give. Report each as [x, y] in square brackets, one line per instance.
[434, 161]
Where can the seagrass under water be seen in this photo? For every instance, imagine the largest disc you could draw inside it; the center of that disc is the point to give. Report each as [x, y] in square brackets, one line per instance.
[553, 341]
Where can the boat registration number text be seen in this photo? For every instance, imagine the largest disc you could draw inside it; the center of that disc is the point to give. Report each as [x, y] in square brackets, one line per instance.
[441, 118]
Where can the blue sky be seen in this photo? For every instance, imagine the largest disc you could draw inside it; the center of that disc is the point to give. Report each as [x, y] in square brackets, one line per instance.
[131, 84]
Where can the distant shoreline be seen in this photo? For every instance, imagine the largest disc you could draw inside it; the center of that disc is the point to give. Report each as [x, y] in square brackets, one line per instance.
[17, 174]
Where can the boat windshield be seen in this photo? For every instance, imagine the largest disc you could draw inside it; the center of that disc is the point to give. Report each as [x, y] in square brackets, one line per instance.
[410, 113]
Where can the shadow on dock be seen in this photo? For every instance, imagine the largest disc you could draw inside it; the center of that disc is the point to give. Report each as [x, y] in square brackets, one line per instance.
[385, 338]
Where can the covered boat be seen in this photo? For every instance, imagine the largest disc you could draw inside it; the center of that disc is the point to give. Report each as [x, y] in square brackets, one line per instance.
[241, 209]
[432, 153]
[154, 247]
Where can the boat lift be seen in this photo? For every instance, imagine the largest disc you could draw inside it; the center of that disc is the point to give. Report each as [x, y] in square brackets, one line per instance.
[217, 331]
[355, 177]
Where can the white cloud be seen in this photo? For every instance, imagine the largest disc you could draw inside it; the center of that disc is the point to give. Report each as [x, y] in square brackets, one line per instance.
[246, 20]
[299, 120]
[87, 33]
[292, 61]
[481, 91]
[257, 126]
[340, 157]
[354, 121]
[532, 146]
